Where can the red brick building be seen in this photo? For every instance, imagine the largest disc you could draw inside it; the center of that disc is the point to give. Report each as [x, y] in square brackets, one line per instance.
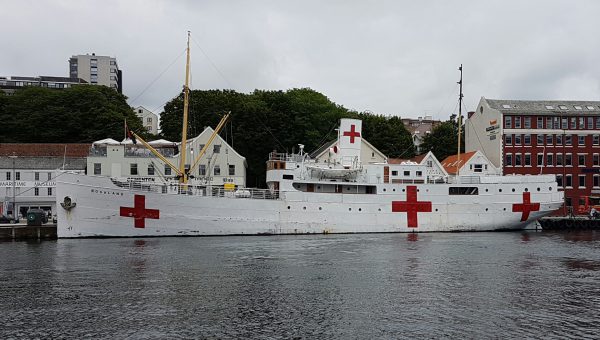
[541, 137]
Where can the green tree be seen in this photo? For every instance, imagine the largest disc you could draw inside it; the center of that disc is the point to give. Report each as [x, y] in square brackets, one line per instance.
[443, 139]
[80, 114]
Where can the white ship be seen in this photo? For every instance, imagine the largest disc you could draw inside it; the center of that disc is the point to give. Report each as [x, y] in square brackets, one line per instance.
[340, 195]
[304, 196]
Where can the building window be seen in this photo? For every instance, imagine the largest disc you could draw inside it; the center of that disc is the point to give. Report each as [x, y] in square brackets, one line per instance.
[508, 122]
[564, 123]
[149, 120]
[581, 140]
[97, 168]
[568, 140]
[231, 169]
[549, 140]
[581, 123]
[202, 170]
[581, 160]
[558, 139]
[590, 123]
[559, 180]
[508, 159]
[167, 170]
[49, 176]
[549, 159]
[216, 148]
[133, 170]
[217, 170]
[540, 139]
[568, 159]
[569, 181]
[527, 159]
[517, 122]
[49, 191]
[573, 123]
[548, 122]
[596, 139]
[518, 159]
[507, 139]
[527, 122]
[596, 181]
[150, 169]
[540, 123]
[36, 176]
[8, 176]
[527, 139]
[36, 191]
[556, 123]
[407, 173]
[559, 159]
[597, 122]
[517, 139]
[540, 159]
[17, 176]
[581, 181]
[596, 159]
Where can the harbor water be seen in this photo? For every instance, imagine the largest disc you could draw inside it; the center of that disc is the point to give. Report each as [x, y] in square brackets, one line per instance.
[438, 285]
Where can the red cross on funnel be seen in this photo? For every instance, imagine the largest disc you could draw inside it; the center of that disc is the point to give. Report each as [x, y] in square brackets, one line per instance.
[411, 206]
[526, 207]
[139, 211]
[352, 133]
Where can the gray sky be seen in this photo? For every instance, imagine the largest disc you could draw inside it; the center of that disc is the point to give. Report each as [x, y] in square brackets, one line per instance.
[389, 57]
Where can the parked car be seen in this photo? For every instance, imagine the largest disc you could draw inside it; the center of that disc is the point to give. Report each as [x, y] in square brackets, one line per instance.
[6, 219]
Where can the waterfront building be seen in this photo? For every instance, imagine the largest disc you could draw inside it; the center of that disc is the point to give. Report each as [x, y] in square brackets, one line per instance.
[132, 162]
[433, 167]
[368, 153]
[541, 137]
[28, 172]
[469, 163]
[10, 84]
[419, 128]
[148, 118]
[97, 70]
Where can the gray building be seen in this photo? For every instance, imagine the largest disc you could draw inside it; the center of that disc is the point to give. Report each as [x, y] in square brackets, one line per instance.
[10, 84]
[28, 174]
[97, 70]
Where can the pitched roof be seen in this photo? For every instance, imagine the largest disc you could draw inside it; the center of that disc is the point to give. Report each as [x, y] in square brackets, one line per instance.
[73, 150]
[543, 106]
[451, 162]
[417, 159]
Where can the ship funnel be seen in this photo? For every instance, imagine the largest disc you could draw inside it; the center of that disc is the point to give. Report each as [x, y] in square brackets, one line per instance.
[349, 141]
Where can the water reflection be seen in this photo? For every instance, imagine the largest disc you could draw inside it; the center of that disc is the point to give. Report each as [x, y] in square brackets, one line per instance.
[578, 264]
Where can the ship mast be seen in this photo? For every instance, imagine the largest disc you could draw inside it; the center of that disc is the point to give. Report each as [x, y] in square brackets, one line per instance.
[186, 93]
[460, 97]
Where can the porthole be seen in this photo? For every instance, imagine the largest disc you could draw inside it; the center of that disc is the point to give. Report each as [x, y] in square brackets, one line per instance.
[499, 190]
[538, 189]
[504, 209]
[320, 208]
[384, 189]
[318, 187]
[513, 189]
[436, 209]
[394, 190]
[379, 209]
[289, 207]
[359, 209]
[349, 209]
[418, 190]
[426, 190]
[486, 190]
[526, 190]
[304, 208]
[549, 188]
[486, 209]
[403, 190]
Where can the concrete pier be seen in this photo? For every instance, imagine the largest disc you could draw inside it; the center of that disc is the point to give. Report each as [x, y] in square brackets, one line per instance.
[22, 231]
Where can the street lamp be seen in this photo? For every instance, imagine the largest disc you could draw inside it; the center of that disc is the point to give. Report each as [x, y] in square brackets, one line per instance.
[14, 207]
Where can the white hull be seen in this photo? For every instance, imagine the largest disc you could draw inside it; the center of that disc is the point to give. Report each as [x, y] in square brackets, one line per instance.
[99, 203]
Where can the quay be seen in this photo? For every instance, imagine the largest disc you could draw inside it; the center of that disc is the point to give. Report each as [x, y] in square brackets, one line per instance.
[21, 231]
[569, 223]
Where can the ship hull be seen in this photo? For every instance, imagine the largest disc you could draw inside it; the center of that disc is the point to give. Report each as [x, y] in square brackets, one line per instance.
[102, 209]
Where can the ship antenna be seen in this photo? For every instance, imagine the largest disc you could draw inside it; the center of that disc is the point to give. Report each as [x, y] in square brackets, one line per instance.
[460, 97]
[186, 92]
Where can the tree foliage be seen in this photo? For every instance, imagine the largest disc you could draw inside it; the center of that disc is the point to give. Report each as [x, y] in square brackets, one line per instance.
[443, 139]
[264, 121]
[80, 114]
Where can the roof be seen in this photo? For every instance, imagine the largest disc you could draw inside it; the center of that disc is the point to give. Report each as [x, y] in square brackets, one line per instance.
[451, 162]
[417, 159]
[74, 150]
[44, 163]
[544, 106]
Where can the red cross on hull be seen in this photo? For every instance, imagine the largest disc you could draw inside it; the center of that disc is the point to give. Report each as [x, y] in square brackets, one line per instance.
[526, 207]
[139, 211]
[352, 133]
[411, 206]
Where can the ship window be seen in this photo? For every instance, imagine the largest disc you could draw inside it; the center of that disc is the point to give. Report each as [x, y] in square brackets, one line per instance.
[406, 173]
[288, 176]
[463, 191]
[167, 170]
[394, 173]
[419, 173]
[133, 170]
[150, 169]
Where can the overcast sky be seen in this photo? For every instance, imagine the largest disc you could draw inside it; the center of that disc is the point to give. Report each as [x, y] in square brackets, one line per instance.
[389, 57]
